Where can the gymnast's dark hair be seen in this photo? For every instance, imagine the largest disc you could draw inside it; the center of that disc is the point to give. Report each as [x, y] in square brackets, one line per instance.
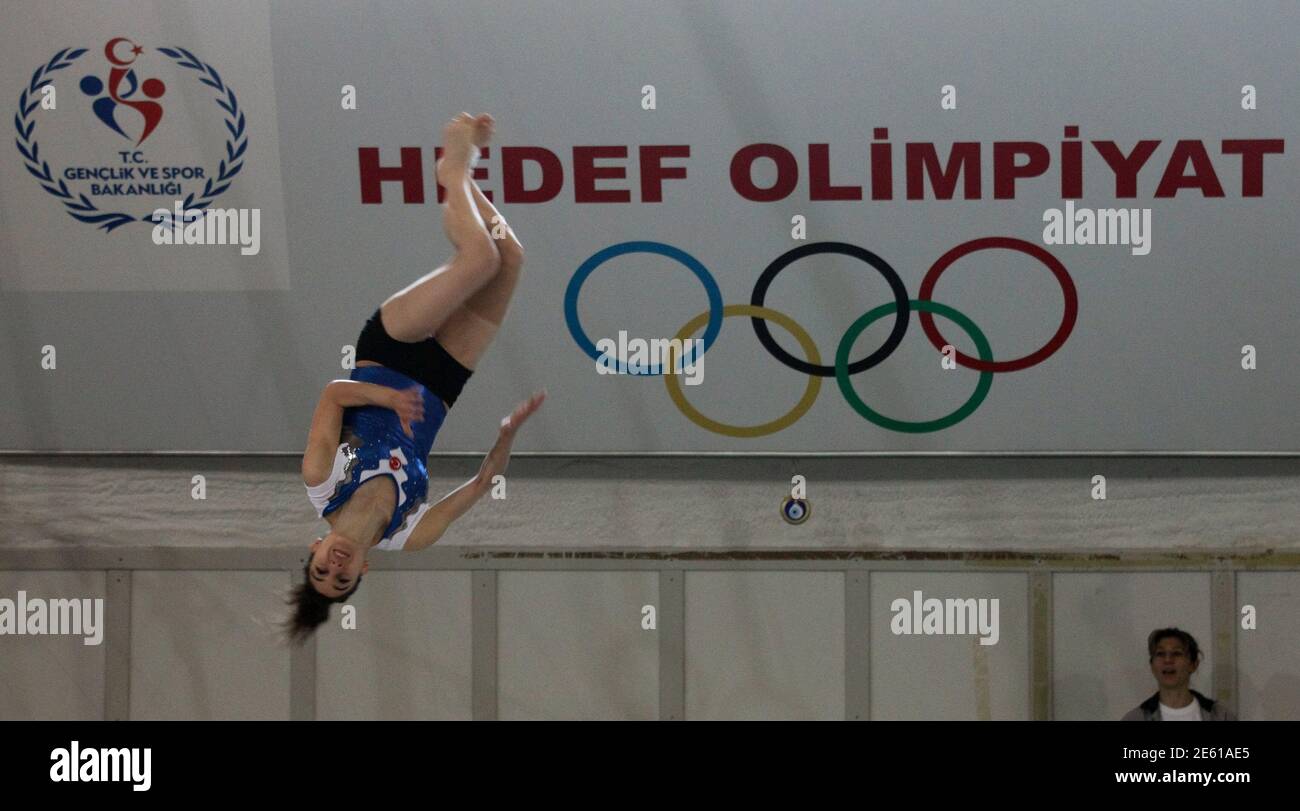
[310, 607]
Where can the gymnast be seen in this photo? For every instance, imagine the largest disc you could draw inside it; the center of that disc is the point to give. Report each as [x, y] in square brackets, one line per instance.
[414, 356]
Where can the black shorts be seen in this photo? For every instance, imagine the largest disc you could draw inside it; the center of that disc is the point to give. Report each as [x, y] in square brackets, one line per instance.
[425, 362]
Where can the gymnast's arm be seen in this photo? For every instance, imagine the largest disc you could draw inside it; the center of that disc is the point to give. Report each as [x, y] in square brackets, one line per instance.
[327, 423]
[458, 502]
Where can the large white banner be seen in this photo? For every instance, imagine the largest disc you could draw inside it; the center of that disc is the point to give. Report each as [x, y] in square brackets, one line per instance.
[891, 226]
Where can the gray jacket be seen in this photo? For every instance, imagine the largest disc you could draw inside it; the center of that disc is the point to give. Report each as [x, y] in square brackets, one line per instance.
[1149, 710]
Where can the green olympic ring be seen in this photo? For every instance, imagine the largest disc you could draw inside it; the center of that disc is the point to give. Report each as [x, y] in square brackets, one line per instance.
[870, 317]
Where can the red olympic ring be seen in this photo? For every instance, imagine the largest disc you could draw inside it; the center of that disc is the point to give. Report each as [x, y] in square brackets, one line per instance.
[1052, 263]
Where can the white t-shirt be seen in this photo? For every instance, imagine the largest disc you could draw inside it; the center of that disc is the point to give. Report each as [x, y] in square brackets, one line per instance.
[1192, 712]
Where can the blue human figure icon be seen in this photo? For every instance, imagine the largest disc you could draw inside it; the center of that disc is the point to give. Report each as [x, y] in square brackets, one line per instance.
[103, 107]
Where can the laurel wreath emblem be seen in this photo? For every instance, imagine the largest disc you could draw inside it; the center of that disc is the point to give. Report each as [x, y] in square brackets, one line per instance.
[78, 205]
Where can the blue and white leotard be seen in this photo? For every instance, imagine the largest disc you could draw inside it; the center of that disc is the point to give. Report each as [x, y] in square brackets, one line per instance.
[380, 447]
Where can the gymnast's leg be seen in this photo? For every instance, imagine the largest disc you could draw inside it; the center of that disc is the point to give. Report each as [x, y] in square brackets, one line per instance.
[469, 330]
[421, 309]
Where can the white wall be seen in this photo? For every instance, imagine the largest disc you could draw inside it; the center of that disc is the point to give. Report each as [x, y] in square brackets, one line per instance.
[567, 642]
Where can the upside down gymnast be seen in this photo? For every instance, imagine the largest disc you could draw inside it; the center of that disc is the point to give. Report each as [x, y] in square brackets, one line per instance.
[414, 356]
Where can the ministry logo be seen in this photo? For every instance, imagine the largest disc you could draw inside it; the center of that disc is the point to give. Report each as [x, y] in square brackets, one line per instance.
[122, 85]
[127, 100]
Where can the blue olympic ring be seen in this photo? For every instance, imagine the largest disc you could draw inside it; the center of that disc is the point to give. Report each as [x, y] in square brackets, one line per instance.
[575, 287]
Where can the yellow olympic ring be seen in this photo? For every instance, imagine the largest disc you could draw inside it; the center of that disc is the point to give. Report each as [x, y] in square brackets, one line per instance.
[787, 323]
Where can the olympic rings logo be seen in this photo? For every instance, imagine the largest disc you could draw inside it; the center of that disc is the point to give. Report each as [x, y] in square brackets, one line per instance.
[842, 370]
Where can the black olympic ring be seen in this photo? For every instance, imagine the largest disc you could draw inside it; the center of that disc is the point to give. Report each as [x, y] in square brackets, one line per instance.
[795, 254]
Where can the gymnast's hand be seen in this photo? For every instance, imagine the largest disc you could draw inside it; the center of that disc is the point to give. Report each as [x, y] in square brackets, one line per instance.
[497, 459]
[409, 405]
[521, 413]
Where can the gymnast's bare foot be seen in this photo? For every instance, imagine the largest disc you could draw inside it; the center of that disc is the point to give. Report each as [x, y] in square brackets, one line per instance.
[457, 149]
[484, 127]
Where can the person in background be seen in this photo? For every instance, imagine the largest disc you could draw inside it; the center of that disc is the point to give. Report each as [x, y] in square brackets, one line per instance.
[1174, 657]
